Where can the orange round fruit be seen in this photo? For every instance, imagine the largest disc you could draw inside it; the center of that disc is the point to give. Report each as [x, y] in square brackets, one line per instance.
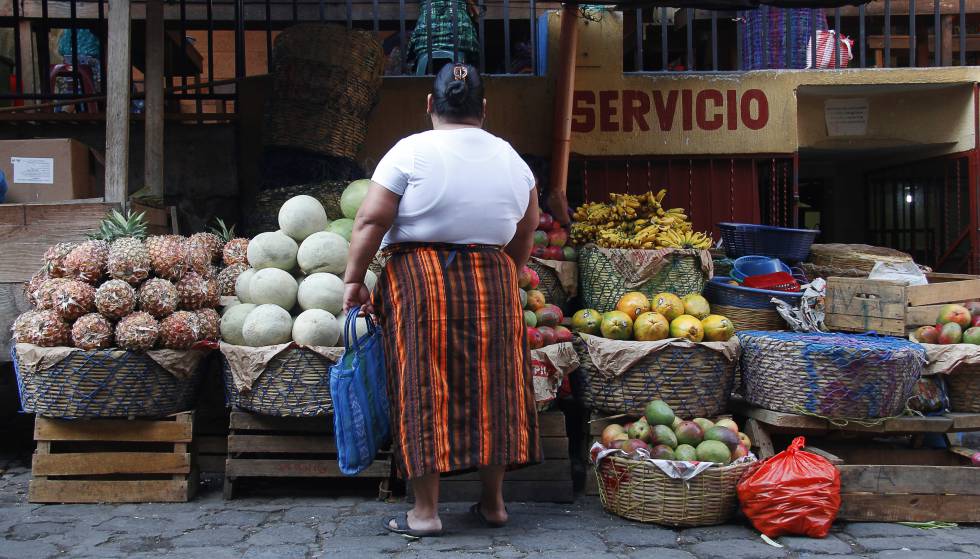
[650, 327]
[535, 300]
[686, 326]
[667, 304]
[717, 328]
[696, 306]
[633, 304]
[616, 325]
[587, 321]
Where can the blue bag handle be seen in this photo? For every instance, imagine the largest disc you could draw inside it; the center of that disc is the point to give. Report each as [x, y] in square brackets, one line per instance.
[350, 329]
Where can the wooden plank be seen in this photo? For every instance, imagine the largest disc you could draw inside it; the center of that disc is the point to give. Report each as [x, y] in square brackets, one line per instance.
[901, 8]
[104, 463]
[552, 470]
[832, 458]
[514, 491]
[875, 455]
[13, 302]
[554, 447]
[867, 323]
[154, 108]
[245, 467]
[255, 422]
[761, 440]
[298, 444]
[863, 297]
[965, 421]
[28, 59]
[777, 419]
[905, 479]
[865, 507]
[117, 104]
[924, 315]
[112, 430]
[962, 451]
[945, 292]
[551, 424]
[85, 491]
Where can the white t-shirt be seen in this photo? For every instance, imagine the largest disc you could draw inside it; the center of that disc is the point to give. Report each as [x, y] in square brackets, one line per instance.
[460, 186]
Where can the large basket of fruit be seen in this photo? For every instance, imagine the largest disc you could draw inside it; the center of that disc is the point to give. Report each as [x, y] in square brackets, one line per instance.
[840, 376]
[71, 383]
[295, 382]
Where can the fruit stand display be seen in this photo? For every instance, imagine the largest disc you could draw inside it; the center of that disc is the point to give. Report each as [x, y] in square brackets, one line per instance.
[554, 262]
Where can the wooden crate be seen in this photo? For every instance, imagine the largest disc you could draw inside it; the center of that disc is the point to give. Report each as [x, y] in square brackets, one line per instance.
[113, 460]
[261, 446]
[860, 305]
[547, 482]
[211, 440]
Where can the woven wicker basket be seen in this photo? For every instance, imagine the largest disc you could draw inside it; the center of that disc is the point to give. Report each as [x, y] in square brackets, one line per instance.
[550, 285]
[601, 285]
[325, 82]
[815, 271]
[842, 376]
[638, 490]
[964, 389]
[104, 383]
[265, 214]
[295, 383]
[695, 382]
[751, 319]
[854, 257]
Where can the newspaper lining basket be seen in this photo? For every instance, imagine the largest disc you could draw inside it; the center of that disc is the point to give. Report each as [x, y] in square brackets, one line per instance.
[601, 285]
[103, 383]
[964, 389]
[638, 490]
[295, 383]
[694, 382]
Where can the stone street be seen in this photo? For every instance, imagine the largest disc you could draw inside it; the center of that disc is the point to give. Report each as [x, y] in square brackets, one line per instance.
[303, 527]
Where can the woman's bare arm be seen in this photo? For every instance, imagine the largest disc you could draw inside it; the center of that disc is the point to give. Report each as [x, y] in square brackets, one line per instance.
[519, 248]
[373, 220]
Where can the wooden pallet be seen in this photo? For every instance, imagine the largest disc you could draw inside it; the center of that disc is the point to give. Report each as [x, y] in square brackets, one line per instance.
[548, 482]
[113, 460]
[261, 446]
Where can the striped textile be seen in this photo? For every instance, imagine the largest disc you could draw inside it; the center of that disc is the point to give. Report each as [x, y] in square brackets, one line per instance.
[459, 368]
[442, 30]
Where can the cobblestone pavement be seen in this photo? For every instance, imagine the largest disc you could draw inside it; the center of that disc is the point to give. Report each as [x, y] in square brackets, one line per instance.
[306, 527]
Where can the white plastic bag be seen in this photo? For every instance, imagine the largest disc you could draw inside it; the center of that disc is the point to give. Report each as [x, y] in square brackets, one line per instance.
[907, 273]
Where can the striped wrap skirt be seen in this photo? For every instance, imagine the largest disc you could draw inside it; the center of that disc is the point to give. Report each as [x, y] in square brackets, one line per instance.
[459, 368]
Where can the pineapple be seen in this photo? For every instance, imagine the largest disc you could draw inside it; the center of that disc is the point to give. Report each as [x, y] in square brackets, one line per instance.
[157, 297]
[92, 331]
[179, 330]
[196, 291]
[44, 296]
[115, 299]
[209, 323]
[24, 327]
[235, 249]
[72, 299]
[212, 241]
[46, 329]
[128, 259]
[88, 261]
[34, 285]
[54, 259]
[198, 256]
[228, 277]
[167, 256]
[137, 332]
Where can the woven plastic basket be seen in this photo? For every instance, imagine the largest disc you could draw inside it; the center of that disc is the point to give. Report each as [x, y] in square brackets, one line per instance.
[840, 376]
[325, 82]
[745, 239]
[638, 490]
[295, 383]
[550, 285]
[719, 292]
[694, 382]
[751, 319]
[601, 285]
[265, 214]
[103, 383]
[964, 389]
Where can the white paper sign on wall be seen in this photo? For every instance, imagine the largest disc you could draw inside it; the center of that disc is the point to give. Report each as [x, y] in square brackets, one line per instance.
[846, 117]
[33, 170]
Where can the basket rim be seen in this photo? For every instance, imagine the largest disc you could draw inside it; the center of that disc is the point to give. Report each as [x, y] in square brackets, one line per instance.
[718, 470]
[768, 228]
[721, 282]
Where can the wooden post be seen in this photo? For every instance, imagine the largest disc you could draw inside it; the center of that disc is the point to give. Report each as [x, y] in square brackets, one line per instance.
[947, 39]
[117, 104]
[561, 149]
[153, 148]
[28, 60]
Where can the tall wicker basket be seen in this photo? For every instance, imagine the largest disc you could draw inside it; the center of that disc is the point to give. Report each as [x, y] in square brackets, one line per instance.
[964, 389]
[265, 214]
[601, 284]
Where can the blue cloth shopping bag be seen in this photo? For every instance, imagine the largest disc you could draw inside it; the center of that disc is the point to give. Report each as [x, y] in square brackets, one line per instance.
[358, 388]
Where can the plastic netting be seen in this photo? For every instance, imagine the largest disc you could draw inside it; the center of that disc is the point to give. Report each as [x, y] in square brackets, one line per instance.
[295, 383]
[695, 382]
[103, 384]
[550, 285]
[837, 376]
[601, 285]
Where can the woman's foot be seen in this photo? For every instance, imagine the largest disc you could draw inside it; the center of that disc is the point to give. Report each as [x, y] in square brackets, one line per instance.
[411, 525]
[494, 517]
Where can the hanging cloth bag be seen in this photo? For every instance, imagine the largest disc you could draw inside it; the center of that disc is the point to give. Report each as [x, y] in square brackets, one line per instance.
[358, 388]
[827, 51]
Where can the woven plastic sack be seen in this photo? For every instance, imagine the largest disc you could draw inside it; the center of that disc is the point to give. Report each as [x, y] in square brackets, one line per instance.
[793, 493]
[358, 388]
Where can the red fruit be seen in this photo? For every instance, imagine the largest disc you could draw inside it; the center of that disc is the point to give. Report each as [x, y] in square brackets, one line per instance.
[535, 279]
[632, 445]
[975, 459]
[553, 253]
[562, 334]
[951, 333]
[545, 221]
[557, 237]
[556, 225]
[524, 278]
[534, 338]
[538, 251]
[976, 321]
[740, 451]
[973, 307]
[957, 314]
[549, 315]
[540, 238]
[547, 334]
[927, 335]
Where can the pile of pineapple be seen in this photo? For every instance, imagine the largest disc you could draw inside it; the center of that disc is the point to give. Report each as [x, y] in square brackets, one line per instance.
[123, 289]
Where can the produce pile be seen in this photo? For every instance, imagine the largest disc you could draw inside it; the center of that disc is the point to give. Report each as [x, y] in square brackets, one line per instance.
[635, 221]
[666, 437]
[293, 289]
[550, 240]
[663, 316]
[123, 289]
[955, 324]
[543, 320]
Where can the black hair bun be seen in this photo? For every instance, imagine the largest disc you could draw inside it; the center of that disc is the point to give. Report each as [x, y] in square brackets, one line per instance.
[456, 92]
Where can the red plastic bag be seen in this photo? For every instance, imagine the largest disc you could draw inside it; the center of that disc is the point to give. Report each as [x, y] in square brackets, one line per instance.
[793, 493]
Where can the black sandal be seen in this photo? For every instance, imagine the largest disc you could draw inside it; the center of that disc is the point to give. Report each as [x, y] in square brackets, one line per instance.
[402, 528]
[475, 511]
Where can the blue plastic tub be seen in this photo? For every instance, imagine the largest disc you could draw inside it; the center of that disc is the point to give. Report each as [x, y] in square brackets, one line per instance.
[744, 239]
[748, 266]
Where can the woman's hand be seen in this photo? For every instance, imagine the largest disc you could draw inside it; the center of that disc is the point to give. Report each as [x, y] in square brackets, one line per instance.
[357, 294]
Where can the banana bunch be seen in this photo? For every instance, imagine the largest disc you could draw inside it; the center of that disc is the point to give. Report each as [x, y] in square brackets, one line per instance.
[634, 221]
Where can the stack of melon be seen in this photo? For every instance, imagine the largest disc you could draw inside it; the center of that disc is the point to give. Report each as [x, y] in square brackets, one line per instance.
[293, 289]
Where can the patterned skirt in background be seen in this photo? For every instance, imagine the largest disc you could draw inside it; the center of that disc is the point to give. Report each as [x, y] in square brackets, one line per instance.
[459, 369]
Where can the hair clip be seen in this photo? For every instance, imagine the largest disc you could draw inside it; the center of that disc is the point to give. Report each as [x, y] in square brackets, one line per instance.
[460, 72]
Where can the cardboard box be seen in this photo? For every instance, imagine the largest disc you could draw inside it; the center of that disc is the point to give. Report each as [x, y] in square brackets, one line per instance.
[48, 170]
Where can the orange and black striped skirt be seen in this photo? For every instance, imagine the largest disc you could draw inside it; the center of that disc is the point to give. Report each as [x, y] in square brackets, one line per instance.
[459, 368]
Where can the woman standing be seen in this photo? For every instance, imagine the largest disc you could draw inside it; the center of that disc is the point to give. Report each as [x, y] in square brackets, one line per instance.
[456, 209]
